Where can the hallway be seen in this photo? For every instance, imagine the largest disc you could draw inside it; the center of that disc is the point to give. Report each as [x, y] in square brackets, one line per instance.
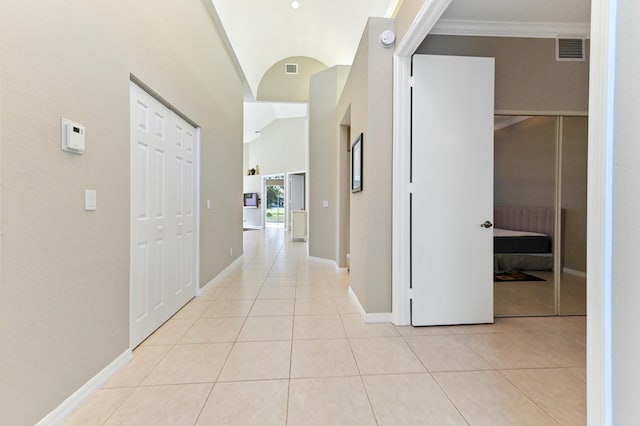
[277, 341]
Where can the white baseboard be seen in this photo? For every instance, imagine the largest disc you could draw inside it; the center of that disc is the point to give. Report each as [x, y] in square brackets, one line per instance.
[218, 278]
[574, 272]
[382, 317]
[252, 226]
[328, 262]
[323, 260]
[80, 396]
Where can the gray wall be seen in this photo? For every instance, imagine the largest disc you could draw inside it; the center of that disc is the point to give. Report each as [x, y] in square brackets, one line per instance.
[64, 298]
[625, 348]
[528, 78]
[324, 90]
[368, 95]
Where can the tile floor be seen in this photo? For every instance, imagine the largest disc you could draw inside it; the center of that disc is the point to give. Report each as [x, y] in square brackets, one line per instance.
[278, 342]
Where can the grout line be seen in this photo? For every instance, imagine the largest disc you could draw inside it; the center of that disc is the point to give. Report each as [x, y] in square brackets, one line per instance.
[523, 393]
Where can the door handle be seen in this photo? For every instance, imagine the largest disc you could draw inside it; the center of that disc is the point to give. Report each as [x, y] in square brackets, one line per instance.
[487, 224]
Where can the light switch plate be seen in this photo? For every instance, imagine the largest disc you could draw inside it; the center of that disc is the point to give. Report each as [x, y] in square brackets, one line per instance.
[90, 200]
[325, 203]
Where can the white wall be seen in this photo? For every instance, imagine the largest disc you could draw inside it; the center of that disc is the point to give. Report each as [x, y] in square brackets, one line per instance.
[281, 148]
[64, 299]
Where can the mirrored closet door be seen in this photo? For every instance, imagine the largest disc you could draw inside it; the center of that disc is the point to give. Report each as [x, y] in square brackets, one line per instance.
[540, 215]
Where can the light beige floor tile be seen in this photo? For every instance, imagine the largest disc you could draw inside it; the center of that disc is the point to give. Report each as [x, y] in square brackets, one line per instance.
[557, 391]
[280, 282]
[193, 309]
[228, 308]
[580, 373]
[446, 353]
[505, 351]
[322, 358]
[322, 306]
[410, 399]
[257, 361]
[240, 293]
[329, 401]
[214, 293]
[277, 292]
[314, 292]
[266, 328]
[318, 327]
[213, 330]
[260, 403]
[486, 398]
[283, 271]
[162, 405]
[355, 327]
[199, 363]
[422, 331]
[385, 355]
[563, 350]
[170, 332]
[272, 307]
[500, 326]
[98, 409]
[144, 359]
[572, 328]
[346, 306]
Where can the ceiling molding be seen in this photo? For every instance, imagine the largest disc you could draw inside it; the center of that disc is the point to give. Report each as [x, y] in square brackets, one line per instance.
[510, 29]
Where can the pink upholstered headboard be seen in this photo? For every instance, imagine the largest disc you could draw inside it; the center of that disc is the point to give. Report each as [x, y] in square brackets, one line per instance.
[529, 219]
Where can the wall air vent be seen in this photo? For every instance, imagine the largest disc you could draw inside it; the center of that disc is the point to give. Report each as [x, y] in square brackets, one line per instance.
[569, 49]
[291, 68]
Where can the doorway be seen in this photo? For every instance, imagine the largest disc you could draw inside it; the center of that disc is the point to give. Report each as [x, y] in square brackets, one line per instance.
[296, 196]
[274, 205]
[164, 160]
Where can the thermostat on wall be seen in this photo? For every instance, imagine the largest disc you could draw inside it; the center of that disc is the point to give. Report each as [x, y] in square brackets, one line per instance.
[72, 136]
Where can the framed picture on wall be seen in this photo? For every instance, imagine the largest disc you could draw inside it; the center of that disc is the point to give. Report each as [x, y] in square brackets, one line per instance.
[356, 164]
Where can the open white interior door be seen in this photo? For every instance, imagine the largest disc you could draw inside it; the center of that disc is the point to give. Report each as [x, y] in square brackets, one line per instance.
[452, 190]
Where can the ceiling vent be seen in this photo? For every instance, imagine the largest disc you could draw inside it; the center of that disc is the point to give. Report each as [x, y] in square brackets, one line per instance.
[291, 68]
[569, 49]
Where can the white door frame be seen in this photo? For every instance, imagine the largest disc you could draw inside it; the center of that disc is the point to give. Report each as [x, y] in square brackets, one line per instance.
[599, 212]
[264, 197]
[287, 191]
[401, 250]
[599, 192]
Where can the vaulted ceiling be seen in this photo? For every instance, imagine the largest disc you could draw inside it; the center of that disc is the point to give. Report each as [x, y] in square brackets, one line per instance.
[264, 32]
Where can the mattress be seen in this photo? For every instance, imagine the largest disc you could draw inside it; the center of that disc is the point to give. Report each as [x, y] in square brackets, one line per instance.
[508, 241]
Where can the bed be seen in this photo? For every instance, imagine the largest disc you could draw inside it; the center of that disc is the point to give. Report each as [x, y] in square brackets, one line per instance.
[523, 238]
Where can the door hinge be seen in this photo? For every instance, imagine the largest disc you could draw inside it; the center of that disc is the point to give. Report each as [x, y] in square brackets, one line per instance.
[411, 293]
[410, 187]
[412, 81]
